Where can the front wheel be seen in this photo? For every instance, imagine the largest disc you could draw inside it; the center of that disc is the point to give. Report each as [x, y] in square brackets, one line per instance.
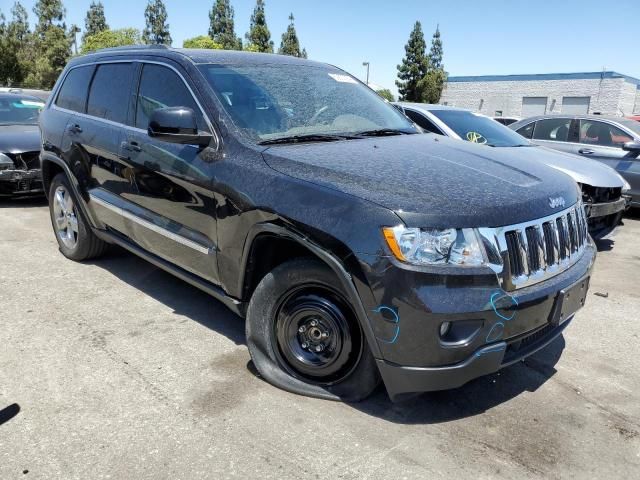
[304, 337]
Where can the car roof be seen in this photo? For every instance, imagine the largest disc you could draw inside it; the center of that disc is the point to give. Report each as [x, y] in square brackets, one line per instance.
[429, 106]
[610, 118]
[197, 56]
[5, 95]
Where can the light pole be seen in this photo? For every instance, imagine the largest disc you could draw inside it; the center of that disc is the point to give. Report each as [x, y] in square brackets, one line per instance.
[366, 64]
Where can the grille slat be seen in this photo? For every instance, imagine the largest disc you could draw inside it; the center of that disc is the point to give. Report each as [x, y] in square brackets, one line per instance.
[535, 248]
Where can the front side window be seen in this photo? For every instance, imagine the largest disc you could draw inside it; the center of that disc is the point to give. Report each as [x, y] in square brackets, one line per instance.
[553, 129]
[17, 110]
[109, 92]
[161, 87]
[593, 132]
[73, 92]
[422, 121]
[477, 128]
[269, 102]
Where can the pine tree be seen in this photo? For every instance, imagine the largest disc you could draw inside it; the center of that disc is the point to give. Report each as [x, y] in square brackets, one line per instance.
[156, 30]
[50, 47]
[435, 54]
[414, 67]
[95, 21]
[15, 39]
[259, 36]
[433, 83]
[290, 45]
[221, 26]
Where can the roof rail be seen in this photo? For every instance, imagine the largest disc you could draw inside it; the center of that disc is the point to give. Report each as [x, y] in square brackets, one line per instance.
[133, 47]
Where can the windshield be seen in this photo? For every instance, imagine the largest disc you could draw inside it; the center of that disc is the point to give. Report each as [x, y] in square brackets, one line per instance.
[278, 101]
[480, 129]
[632, 125]
[16, 110]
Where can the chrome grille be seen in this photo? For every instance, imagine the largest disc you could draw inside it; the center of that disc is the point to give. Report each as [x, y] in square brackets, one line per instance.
[534, 251]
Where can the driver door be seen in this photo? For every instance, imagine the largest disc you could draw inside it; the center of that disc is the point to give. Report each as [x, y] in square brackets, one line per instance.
[170, 184]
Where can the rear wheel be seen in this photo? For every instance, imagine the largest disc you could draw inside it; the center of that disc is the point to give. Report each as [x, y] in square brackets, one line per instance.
[303, 335]
[73, 233]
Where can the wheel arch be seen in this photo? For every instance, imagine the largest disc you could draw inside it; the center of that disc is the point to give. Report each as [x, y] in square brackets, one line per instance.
[51, 166]
[278, 243]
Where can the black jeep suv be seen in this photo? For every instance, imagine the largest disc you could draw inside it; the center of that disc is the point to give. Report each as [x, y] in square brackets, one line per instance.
[355, 249]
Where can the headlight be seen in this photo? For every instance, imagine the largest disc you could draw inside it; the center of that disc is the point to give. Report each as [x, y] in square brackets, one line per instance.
[449, 246]
[5, 162]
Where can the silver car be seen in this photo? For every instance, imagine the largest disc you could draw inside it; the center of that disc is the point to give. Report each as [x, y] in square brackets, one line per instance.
[614, 141]
[601, 186]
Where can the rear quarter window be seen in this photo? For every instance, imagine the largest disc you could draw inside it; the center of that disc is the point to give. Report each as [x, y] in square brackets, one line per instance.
[527, 130]
[73, 92]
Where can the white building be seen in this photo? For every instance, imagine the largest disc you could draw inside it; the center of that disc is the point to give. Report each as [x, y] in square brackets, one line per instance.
[607, 93]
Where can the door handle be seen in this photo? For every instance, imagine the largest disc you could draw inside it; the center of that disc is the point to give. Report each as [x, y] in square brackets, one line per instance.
[131, 146]
[585, 151]
[75, 128]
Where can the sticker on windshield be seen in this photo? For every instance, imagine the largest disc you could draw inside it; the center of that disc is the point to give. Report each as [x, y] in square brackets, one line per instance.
[342, 78]
[475, 137]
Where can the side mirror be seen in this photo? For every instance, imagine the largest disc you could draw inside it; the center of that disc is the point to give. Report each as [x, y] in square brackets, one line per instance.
[633, 147]
[177, 125]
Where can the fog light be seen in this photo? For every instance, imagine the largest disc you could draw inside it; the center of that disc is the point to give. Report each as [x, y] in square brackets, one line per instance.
[444, 329]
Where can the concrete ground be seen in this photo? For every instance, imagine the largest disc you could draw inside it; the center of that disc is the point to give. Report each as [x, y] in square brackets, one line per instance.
[114, 369]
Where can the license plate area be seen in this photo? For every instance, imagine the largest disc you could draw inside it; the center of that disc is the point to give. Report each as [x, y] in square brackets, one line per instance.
[570, 300]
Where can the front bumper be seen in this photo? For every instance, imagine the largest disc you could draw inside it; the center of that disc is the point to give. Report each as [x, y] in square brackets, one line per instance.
[603, 218]
[20, 182]
[486, 360]
[496, 328]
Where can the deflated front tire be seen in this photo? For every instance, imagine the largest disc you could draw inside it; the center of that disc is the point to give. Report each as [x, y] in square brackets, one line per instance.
[303, 336]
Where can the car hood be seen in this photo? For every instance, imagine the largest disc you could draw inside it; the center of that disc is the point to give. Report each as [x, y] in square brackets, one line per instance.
[430, 180]
[19, 138]
[582, 170]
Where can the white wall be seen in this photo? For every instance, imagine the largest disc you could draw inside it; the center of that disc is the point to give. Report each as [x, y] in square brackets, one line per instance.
[607, 95]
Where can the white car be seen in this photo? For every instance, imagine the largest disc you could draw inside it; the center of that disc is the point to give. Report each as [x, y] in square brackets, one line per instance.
[602, 187]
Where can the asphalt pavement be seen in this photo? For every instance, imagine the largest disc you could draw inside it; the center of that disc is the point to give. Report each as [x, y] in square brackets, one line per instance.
[115, 369]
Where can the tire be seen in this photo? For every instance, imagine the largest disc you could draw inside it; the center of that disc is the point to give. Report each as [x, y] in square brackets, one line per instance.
[304, 337]
[76, 240]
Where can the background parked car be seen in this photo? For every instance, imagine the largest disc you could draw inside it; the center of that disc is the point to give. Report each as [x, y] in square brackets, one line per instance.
[634, 117]
[614, 141]
[33, 92]
[506, 120]
[601, 186]
[19, 144]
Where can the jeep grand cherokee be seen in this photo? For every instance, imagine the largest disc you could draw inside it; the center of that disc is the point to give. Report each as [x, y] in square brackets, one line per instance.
[356, 249]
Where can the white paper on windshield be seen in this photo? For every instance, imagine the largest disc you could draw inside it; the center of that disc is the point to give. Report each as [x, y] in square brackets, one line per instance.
[342, 78]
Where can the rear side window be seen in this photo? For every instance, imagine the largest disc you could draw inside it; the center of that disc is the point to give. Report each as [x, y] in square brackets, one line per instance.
[109, 93]
[161, 87]
[527, 130]
[423, 121]
[73, 93]
[553, 129]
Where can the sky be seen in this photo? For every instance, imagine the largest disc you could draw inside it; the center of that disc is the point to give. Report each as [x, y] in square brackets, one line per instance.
[486, 37]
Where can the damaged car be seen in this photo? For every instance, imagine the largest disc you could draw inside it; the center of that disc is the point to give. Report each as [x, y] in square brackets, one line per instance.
[20, 172]
[603, 189]
[355, 249]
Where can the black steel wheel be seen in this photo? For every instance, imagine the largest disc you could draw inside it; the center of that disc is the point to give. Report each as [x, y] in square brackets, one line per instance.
[317, 336]
[304, 337]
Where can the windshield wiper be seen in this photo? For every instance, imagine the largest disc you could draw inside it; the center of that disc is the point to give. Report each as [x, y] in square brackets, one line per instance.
[313, 137]
[383, 132]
